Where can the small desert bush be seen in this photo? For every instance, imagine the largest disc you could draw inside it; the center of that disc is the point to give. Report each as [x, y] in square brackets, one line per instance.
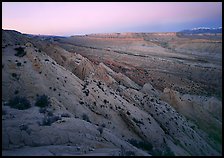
[20, 103]
[166, 152]
[141, 144]
[16, 92]
[103, 125]
[100, 129]
[16, 76]
[50, 113]
[65, 115]
[42, 101]
[86, 118]
[137, 121]
[86, 92]
[23, 127]
[129, 153]
[47, 121]
[20, 52]
[105, 101]
[18, 64]
[46, 111]
[4, 112]
[42, 110]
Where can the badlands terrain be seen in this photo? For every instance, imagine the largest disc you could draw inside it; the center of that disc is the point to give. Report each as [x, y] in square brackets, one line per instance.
[118, 94]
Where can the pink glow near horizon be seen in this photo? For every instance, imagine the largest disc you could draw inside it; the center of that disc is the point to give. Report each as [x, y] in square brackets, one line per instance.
[78, 18]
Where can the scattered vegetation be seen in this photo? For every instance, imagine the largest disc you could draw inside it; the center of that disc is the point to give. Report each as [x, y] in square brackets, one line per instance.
[49, 113]
[81, 102]
[126, 153]
[19, 64]
[23, 127]
[16, 92]
[20, 52]
[164, 44]
[129, 153]
[128, 113]
[15, 76]
[99, 86]
[166, 152]
[86, 92]
[105, 101]
[177, 142]
[42, 101]
[100, 129]
[141, 144]
[137, 121]
[4, 112]
[43, 110]
[20, 103]
[86, 118]
[47, 121]
[46, 111]
[65, 115]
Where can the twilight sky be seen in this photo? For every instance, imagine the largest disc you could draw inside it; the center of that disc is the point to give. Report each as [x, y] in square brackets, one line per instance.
[75, 18]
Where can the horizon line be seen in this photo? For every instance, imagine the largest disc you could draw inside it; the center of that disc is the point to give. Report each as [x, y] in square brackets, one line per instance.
[86, 34]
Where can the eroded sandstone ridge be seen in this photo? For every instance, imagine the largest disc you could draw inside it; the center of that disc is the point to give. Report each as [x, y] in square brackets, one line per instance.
[98, 105]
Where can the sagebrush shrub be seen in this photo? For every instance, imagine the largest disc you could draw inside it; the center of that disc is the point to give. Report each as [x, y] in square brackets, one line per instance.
[65, 115]
[19, 64]
[86, 118]
[141, 144]
[4, 112]
[42, 101]
[16, 76]
[20, 52]
[100, 129]
[48, 120]
[20, 103]
[43, 110]
[129, 153]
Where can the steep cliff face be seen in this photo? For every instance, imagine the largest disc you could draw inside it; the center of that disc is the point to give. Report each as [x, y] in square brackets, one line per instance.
[93, 110]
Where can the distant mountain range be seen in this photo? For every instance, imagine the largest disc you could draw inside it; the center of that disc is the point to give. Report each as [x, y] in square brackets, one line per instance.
[202, 30]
